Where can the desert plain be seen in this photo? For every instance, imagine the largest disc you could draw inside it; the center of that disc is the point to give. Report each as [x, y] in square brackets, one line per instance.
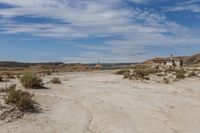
[102, 102]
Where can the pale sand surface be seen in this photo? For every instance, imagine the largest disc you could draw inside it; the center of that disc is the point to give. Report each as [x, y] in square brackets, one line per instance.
[101, 102]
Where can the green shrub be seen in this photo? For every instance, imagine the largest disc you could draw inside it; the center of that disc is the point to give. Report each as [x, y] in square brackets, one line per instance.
[123, 71]
[166, 81]
[146, 78]
[127, 76]
[29, 80]
[10, 76]
[192, 74]
[12, 86]
[1, 79]
[21, 99]
[180, 71]
[169, 70]
[160, 75]
[55, 80]
[180, 75]
[141, 73]
[152, 71]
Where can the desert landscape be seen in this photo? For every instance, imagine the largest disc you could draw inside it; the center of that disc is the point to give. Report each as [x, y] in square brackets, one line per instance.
[106, 101]
[99, 66]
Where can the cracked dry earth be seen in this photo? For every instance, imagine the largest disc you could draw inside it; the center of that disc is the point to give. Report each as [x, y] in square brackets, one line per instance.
[101, 102]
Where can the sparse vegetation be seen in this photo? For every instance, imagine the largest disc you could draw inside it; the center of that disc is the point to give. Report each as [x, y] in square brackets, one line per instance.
[180, 75]
[140, 73]
[146, 78]
[166, 81]
[169, 70]
[180, 71]
[21, 99]
[55, 80]
[44, 73]
[192, 74]
[29, 80]
[157, 74]
[160, 75]
[1, 79]
[10, 76]
[12, 86]
[123, 71]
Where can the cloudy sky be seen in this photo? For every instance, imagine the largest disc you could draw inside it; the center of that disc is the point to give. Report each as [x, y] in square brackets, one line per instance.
[88, 31]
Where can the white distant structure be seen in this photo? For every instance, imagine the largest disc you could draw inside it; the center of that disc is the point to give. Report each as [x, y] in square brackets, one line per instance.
[170, 62]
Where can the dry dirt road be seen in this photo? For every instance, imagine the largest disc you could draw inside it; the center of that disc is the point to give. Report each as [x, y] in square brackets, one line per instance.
[101, 102]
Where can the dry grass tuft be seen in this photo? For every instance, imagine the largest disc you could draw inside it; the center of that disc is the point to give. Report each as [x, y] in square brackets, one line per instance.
[29, 80]
[166, 81]
[21, 99]
[192, 74]
[180, 74]
[55, 80]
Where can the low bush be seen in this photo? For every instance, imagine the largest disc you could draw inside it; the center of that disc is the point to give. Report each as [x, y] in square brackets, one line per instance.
[180, 71]
[146, 78]
[12, 86]
[127, 76]
[1, 79]
[10, 76]
[21, 99]
[123, 71]
[141, 73]
[180, 75]
[152, 71]
[55, 80]
[169, 70]
[195, 70]
[166, 81]
[192, 74]
[160, 75]
[29, 80]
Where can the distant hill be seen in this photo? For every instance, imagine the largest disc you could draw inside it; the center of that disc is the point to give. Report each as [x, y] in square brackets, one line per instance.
[61, 64]
[20, 64]
[195, 59]
[107, 66]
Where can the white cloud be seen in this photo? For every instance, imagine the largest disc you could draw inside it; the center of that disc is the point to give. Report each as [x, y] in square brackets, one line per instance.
[190, 5]
[135, 28]
[138, 1]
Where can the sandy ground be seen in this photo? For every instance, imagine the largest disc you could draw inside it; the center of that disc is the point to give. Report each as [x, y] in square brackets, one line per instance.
[101, 102]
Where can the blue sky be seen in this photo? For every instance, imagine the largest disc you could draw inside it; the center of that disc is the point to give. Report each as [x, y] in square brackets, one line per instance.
[87, 31]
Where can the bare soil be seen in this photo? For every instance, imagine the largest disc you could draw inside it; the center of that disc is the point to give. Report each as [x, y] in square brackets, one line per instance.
[101, 102]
